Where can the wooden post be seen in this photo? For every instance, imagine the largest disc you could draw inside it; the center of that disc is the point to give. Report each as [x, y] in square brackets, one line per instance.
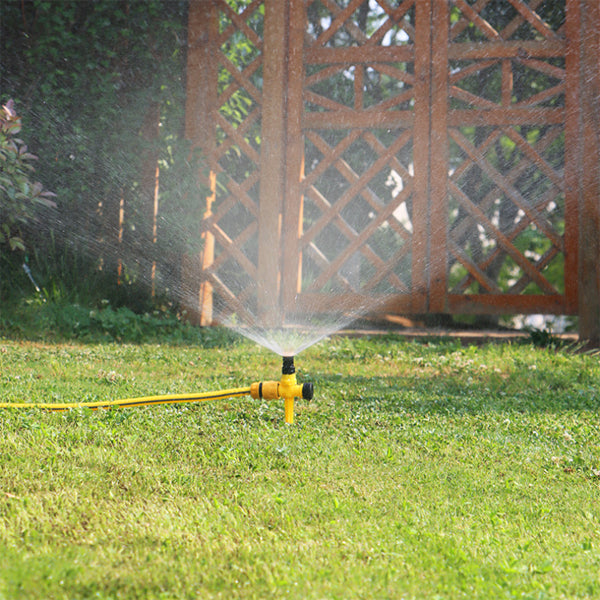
[149, 196]
[438, 160]
[573, 148]
[294, 200]
[207, 257]
[420, 246]
[201, 102]
[272, 161]
[589, 234]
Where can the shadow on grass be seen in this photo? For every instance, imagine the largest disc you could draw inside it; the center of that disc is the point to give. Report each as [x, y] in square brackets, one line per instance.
[544, 392]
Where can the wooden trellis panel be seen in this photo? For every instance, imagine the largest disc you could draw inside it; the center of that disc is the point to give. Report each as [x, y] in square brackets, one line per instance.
[360, 93]
[504, 85]
[224, 115]
[428, 149]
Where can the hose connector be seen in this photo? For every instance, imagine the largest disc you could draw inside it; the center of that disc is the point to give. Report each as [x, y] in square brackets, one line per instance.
[275, 390]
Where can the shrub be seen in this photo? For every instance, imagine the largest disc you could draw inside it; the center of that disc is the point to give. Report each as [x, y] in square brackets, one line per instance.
[19, 195]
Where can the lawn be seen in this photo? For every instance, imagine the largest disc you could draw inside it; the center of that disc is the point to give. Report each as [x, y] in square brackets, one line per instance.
[419, 470]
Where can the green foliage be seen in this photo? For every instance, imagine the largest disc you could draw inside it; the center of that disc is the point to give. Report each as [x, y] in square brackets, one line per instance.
[53, 318]
[101, 85]
[18, 193]
[545, 338]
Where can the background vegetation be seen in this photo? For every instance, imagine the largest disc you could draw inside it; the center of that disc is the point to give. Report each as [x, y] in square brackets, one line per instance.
[100, 87]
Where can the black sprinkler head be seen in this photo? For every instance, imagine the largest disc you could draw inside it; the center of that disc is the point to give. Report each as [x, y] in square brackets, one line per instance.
[288, 366]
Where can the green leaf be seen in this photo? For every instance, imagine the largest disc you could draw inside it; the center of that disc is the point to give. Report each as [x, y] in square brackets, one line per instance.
[16, 243]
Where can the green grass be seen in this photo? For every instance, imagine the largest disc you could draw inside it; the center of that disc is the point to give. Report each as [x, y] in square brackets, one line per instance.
[420, 470]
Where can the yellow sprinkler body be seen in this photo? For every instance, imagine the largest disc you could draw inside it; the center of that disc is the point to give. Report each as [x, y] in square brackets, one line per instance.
[287, 388]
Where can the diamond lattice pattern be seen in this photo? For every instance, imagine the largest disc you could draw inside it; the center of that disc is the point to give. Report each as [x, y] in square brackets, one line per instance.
[506, 206]
[358, 185]
[236, 159]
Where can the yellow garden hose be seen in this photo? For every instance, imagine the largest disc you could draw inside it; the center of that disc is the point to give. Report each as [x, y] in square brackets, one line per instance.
[287, 388]
[132, 402]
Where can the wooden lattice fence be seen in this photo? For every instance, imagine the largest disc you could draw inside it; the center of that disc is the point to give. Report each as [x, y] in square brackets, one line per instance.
[447, 150]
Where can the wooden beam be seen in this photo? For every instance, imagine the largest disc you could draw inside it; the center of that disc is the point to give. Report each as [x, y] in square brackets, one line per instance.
[336, 303]
[502, 304]
[506, 116]
[506, 49]
[272, 161]
[589, 235]
[359, 55]
[293, 212]
[200, 109]
[350, 119]
[421, 157]
[438, 160]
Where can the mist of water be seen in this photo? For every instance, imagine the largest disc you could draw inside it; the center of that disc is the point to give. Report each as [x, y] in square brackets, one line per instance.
[345, 273]
[285, 326]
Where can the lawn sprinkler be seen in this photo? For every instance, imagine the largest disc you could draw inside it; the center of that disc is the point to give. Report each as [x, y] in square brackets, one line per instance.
[286, 389]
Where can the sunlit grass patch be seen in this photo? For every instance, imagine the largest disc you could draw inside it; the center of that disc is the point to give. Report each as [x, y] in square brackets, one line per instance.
[418, 471]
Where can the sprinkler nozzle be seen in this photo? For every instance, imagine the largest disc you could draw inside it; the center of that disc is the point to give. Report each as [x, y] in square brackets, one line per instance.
[288, 366]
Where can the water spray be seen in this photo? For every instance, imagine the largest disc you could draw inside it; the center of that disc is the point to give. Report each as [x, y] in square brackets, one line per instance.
[286, 389]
